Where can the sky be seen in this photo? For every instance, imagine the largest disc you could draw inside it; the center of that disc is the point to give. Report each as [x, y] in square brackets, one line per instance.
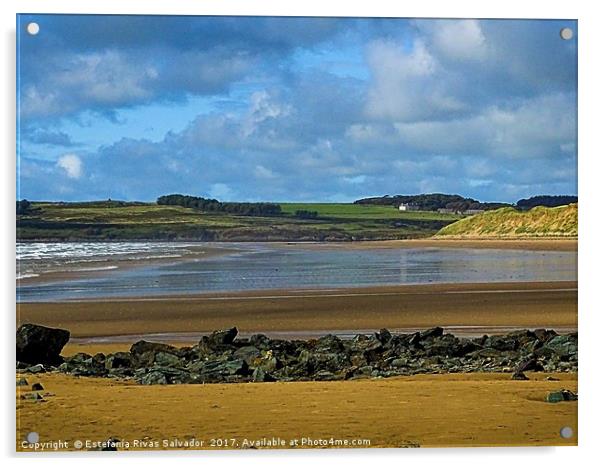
[294, 109]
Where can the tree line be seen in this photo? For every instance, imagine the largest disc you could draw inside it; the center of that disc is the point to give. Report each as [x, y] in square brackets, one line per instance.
[433, 202]
[213, 205]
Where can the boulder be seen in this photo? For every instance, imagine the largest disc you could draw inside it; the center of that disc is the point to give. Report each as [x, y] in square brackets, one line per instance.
[222, 337]
[142, 346]
[561, 395]
[36, 387]
[22, 381]
[118, 360]
[37, 344]
[260, 375]
[434, 332]
[530, 365]
[563, 345]
[519, 376]
[250, 354]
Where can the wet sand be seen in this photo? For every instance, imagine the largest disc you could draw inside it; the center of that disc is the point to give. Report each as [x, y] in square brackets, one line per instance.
[422, 410]
[485, 305]
[526, 244]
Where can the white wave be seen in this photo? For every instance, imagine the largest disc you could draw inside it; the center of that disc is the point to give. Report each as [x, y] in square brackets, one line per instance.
[27, 275]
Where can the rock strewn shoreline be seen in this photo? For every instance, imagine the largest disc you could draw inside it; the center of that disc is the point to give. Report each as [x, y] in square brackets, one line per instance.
[223, 358]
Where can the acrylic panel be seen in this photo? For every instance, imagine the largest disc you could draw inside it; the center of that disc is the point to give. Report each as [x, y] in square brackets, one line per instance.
[295, 233]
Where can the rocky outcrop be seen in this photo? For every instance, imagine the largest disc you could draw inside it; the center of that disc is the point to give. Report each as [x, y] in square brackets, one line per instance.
[40, 345]
[221, 357]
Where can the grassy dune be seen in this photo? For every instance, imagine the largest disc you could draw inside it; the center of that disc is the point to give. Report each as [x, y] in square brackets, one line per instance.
[508, 222]
[140, 221]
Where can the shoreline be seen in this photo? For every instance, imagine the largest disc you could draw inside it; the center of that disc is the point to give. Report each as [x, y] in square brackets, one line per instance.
[95, 269]
[517, 304]
[532, 244]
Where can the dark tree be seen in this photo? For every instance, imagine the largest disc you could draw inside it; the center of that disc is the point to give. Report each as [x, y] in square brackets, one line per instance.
[260, 209]
[546, 201]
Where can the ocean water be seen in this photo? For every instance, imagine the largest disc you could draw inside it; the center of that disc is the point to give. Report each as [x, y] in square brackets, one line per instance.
[258, 266]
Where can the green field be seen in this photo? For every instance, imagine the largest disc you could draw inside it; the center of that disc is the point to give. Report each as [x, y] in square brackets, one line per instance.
[114, 221]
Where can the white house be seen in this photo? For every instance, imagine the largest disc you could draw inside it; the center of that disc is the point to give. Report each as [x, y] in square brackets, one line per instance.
[407, 207]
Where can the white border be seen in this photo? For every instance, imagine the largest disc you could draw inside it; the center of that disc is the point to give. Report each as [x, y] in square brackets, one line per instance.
[590, 152]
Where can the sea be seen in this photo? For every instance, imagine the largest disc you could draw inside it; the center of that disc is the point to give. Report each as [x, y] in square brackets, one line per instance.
[74, 271]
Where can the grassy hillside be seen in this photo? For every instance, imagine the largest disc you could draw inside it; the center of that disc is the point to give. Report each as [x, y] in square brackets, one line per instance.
[120, 221]
[508, 222]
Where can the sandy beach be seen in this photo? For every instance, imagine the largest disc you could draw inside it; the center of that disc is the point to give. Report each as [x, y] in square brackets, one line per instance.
[526, 305]
[415, 411]
[526, 244]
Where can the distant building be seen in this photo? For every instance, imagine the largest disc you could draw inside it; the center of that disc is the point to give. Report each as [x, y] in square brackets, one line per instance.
[408, 207]
[447, 211]
[473, 211]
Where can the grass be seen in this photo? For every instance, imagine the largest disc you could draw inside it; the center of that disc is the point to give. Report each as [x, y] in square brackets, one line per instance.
[509, 222]
[113, 221]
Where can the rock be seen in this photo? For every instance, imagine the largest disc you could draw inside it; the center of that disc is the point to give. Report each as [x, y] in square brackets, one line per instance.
[35, 396]
[37, 387]
[544, 335]
[37, 369]
[260, 375]
[22, 381]
[37, 344]
[153, 378]
[326, 375]
[167, 359]
[530, 365]
[250, 354]
[110, 444]
[563, 345]
[383, 335]
[330, 344]
[561, 395]
[118, 360]
[142, 346]
[223, 337]
[501, 343]
[552, 379]
[434, 332]
[259, 341]
[519, 376]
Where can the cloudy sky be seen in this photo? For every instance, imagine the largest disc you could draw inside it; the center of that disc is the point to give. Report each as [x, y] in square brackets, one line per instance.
[293, 109]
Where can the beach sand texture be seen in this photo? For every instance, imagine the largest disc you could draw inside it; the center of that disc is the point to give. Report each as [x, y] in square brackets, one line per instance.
[422, 410]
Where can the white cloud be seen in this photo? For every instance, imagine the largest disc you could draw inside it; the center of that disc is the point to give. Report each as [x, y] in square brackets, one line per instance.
[71, 164]
[459, 40]
[407, 85]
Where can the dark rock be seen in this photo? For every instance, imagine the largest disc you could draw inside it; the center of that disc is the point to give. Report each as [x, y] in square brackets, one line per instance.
[118, 360]
[561, 395]
[167, 359]
[434, 332]
[141, 347]
[223, 337]
[501, 343]
[260, 375]
[383, 336]
[36, 369]
[250, 354]
[519, 376]
[40, 345]
[37, 387]
[22, 381]
[544, 335]
[563, 345]
[259, 341]
[35, 396]
[329, 343]
[530, 365]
